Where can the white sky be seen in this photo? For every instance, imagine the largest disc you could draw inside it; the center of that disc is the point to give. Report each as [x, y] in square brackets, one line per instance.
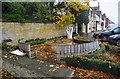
[110, 7]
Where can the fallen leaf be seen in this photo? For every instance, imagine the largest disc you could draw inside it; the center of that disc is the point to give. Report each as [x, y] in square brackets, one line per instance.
[10, 56]
[51, 65]
[41, 61]
[57, 67]
[49, 70]
[38, 60]
[5, 56]
[54, 70]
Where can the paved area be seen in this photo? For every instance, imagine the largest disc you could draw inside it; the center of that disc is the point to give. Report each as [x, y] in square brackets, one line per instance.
[24, 66]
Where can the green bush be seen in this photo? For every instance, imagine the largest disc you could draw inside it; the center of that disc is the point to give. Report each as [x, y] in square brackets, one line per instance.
[42, 40]
[100, 51]
[6, 47]
[36, 41]
[81, 41]
[108, 47]
[93, 64]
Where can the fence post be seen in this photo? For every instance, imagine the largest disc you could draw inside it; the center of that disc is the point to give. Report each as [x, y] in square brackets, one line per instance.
[58, 53]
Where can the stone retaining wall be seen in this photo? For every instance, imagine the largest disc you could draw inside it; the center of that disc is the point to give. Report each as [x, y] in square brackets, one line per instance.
[16, 31]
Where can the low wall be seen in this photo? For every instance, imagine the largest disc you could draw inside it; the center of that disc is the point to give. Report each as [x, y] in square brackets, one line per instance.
[25, 67]
[16, 31]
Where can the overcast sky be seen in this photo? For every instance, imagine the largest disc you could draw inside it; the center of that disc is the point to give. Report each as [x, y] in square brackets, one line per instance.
[110, 7]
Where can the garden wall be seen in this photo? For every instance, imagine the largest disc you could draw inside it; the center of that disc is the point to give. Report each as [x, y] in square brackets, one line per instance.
[25, 67]
[16, 31]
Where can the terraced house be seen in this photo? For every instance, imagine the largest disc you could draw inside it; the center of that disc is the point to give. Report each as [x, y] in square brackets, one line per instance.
[97, 20]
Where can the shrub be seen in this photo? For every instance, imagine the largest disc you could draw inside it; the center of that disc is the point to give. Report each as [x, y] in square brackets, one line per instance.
[108, 47]
[94, 55]
[36, 41]
[93, 64]
[6, 47]
[81, 41]
[42, 40]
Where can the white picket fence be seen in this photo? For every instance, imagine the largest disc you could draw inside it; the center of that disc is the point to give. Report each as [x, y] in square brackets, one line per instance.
[64, 50]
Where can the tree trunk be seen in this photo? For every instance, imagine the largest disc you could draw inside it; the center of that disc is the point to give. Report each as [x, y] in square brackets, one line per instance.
[79, 28]
[86, 28]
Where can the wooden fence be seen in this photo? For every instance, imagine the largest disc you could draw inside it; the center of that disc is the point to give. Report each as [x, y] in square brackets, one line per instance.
[31, 52]
[64, 50]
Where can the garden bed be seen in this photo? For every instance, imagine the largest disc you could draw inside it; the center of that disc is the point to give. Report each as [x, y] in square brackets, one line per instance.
[108, 53]
[59, 40]
[42, 41]
[46, 54]
[80, 73]
[100, 60]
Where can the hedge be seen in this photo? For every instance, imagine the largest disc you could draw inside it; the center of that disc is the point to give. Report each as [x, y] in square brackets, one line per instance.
[36, 41]
[94, 64]
[81, 41]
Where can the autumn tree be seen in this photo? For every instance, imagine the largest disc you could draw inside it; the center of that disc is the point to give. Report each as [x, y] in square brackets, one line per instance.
[81, 12]
[69, 12]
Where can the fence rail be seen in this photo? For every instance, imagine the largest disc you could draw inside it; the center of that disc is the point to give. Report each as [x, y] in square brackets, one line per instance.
[64, 50]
